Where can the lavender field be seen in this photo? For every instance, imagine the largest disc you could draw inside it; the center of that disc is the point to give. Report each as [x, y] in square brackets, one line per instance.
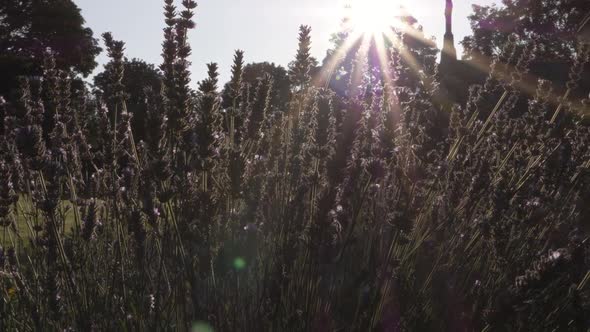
[391, 186]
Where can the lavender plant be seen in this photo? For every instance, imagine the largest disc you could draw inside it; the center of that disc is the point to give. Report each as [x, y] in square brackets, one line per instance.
[385, 208]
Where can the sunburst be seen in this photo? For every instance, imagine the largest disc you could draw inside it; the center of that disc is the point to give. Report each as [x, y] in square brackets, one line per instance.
[376, 24]
[374, 17]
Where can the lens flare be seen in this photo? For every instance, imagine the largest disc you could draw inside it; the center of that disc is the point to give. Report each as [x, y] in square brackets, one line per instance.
[239, 263]
[201, 327]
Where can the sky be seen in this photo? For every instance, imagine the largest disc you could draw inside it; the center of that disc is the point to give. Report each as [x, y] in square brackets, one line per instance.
[266, 30]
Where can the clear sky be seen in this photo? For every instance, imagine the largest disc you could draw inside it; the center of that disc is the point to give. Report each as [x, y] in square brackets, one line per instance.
[265, 29]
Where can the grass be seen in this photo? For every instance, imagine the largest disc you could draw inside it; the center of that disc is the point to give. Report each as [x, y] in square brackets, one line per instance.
[29, 222]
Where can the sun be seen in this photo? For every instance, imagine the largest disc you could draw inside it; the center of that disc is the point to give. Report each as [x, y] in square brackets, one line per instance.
[374, 16]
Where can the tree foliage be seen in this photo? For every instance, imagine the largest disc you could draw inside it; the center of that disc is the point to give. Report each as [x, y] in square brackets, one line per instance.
[554, 23]
[28, 28]
[138, 76]
[253, 73]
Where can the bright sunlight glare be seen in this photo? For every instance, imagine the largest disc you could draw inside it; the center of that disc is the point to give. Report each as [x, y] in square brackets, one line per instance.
[374, 16]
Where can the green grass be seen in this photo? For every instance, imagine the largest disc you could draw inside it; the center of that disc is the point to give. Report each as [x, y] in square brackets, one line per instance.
[30, 222]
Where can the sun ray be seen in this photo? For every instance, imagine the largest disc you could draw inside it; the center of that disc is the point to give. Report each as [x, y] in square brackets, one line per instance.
[412, 62]
[374, 26]
[361, 65]
[383, 60]
[336, 59]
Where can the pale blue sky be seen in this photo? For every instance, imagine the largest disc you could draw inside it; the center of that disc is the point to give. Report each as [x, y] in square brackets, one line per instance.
[265, 29]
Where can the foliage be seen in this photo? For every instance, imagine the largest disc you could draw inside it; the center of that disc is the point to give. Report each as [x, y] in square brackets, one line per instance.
[29, 27]
[138, 76]
[253, 73]
[554, 23]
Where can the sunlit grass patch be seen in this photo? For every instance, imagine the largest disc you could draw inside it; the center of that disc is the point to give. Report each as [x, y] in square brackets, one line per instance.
[29, 222]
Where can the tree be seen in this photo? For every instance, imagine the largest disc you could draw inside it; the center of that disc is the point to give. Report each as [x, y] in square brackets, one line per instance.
[138, 75]
[253, 73]
[29, 27]
[553, 22]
